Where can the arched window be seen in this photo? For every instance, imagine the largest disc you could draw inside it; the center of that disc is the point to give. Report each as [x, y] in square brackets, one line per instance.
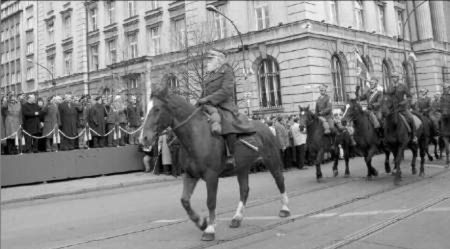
[269, 83]
[386, 75]
[172, 82]
[337, 74]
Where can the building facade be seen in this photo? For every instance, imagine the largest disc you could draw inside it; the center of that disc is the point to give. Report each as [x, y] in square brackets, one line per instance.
[290, 47]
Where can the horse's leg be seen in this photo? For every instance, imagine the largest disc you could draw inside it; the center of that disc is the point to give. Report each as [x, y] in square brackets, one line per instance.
[423, 151]
[346, 159]
[413, 148]
[275, 169]
[243, 191]
[387, 167]
[447, 149]
[398, 153]
[335, 153]
[212, 182]
[319, 156]
[371, 170]
[189, 184]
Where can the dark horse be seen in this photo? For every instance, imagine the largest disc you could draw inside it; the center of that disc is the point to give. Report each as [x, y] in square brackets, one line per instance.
[206, 155]
[367, 139]
[318, 143]
[445, 135]
[397, 139]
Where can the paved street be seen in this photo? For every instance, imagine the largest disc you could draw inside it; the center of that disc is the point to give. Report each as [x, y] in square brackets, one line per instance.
[337, 213]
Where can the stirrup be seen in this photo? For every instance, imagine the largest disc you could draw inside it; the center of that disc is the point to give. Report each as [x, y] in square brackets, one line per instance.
[231, 162]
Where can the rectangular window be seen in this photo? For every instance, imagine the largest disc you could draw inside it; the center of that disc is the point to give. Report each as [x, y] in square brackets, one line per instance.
[400, 23]
[155, 40]
[67, 26]
[132, 83]
[132, 46]
[219, 23]
[381, 19]
[112, 51]
[359, 15]
[67, 63]
[152, 5]
[50, 66]
[334, 12]
[179, 27]
[93, 19]
[110, 12]
[94, 57]
[18, 71]
[30, 70]
[30, 22]
[131, 8]
[50, 33]
[13, 72]
[30, 48]
[262, 16]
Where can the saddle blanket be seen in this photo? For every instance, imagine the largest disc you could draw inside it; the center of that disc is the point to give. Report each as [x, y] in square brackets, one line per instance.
[417, 122]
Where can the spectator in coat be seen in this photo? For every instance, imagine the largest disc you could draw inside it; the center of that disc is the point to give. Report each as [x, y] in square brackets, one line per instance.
[283, 138]
[111, 120]
[4, 102]
[68, 114]
[82, 120]
[166, 158]
[135, 116]
[31, 123]
[52, 121]
[121, 121]
[299, 137]
[96, 119]
[12, 111]
[175, 152]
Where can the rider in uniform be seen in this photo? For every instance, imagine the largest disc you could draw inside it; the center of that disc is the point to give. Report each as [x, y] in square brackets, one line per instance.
[402, 97]
[324, 109]
[217, 100]
[374, 98]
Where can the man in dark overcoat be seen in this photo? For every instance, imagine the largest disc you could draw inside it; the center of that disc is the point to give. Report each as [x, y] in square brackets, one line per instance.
[217, 99]
[402, 97]
[31, 123]
[135, 114]
[374, 98]
[52, 120]
[96, 121]
[69, 115]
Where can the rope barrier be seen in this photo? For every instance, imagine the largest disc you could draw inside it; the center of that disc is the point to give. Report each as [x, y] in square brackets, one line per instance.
[131, 132]
[69, 137]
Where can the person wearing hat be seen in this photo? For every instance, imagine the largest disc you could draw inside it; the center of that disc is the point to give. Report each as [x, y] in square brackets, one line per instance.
[402, 96]
[52, 121]
[69, 115]
[324, 109]
[374, 98]
[445, 103]
[82, 120]
[96, 120]
[423, 104]
[217, 100]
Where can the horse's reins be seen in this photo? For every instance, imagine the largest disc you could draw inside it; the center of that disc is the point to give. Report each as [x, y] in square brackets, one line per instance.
[187, 119]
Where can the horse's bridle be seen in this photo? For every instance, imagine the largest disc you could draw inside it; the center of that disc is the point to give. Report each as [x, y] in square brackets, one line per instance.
[187, 119]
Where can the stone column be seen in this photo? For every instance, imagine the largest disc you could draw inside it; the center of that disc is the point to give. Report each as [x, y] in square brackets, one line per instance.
[425, 29]
[438, 20]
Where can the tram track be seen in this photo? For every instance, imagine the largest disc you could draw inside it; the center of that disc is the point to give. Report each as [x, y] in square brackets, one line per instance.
[256, 203]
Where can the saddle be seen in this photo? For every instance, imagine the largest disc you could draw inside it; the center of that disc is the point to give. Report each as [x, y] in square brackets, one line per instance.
[416, 119]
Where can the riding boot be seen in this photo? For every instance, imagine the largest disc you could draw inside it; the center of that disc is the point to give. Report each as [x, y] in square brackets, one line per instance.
[413, 130]
[231, 140]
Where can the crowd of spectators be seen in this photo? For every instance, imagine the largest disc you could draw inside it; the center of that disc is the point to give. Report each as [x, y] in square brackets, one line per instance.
[63, 123]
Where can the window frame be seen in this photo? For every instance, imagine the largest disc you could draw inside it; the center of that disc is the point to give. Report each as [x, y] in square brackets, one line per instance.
[132, 45]
[180, 34]
[265, 16]
[359, 14]
[94, 53]
[67, 23]
[112, 59]
[93, 16]
[381, 11]
[154, 47]
[385, 75]
[269, 84]
[333, 11]
[68, 63]
[338, 79]
[131, 11]
[110, 12]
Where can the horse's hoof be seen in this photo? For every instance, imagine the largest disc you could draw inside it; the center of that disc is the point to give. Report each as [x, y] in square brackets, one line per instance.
[374, 172]
[284, 213]
[387, 169]
[430, 158]
[204, 224]
[235, 223]
[414, 171]
[335, 173]
[208, 237]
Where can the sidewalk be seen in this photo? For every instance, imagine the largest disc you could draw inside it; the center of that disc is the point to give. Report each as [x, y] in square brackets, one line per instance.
[78, 186]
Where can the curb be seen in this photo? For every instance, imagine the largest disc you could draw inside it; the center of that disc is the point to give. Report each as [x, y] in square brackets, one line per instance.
[87, 190]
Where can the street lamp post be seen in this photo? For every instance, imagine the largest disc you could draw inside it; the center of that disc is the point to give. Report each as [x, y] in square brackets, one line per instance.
[50, 72]
[214, 9]
[399, 39]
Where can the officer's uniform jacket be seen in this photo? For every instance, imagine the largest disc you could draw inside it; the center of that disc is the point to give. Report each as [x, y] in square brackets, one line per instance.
[401, 95]
[374, 98]
[324, 106]
[445, 104]
[423, 105]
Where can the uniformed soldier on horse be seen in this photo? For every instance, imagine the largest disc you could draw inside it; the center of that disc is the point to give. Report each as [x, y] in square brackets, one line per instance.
[374, 98]
[217, 100]
[402, 97]
[424, 107]
[324, 109]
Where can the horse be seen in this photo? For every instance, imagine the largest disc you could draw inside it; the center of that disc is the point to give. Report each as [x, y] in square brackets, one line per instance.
[206, 155]
[397, 139]
[318, 143]
[445, 136]
[366, 137]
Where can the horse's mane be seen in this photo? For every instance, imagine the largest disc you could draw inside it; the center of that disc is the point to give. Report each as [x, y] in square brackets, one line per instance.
[177, 103]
